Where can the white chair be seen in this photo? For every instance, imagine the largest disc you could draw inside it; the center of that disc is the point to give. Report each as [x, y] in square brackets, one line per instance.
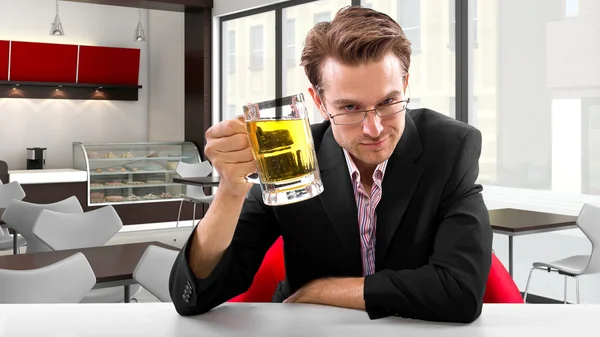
[154, 269]
[61, 231]
[194, 194]
[21, 216]
[6, 240]
[8, 193]
[575, 266]
[65, 281]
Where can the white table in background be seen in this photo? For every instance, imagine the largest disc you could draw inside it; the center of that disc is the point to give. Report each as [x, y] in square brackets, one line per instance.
[270, 319]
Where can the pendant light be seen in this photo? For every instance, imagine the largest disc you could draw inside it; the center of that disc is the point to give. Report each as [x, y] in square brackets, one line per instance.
[57, 29]
[140, 36]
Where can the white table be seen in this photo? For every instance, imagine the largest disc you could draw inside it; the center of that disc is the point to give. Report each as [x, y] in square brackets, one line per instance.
[244, 319]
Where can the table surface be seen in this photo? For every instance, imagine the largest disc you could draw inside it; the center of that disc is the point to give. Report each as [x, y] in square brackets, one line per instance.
[110, 263]
[277, 319]
[521, 221]
[201, 181]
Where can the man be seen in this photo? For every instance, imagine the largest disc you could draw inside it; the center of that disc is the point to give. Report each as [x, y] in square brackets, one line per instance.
[401, 227]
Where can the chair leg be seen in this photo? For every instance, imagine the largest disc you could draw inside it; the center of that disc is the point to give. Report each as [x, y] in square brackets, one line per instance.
[577, 288]
[194, 215]
[527, 285]
[179, 214]
[565, 289]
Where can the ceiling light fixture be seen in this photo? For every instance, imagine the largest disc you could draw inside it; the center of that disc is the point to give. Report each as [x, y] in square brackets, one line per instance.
[57, 29]
[140, 36]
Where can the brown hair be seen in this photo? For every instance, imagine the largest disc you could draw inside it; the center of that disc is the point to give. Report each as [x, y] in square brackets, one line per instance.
[355, 36]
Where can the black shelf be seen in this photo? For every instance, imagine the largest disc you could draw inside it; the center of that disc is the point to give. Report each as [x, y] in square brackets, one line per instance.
[80, 91]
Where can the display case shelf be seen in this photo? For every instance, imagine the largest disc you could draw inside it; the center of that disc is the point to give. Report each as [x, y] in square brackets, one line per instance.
[136, 159]
[115, 173]
[131, 163]
[132, 186]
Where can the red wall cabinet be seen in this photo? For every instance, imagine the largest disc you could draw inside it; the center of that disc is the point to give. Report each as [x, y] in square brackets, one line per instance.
[107, 65]
[4, 49]
[43, 62]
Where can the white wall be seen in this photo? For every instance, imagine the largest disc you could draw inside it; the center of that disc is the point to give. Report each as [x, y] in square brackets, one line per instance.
[166, 76]
[55, 124]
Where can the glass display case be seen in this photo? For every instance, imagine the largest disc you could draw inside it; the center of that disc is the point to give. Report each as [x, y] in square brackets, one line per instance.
[122, 173]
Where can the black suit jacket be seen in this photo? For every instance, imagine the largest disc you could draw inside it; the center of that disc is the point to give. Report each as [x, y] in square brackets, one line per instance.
[433, 237]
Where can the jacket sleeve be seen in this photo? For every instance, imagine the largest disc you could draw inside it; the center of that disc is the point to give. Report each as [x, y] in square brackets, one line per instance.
[256, 231]
[451, 286]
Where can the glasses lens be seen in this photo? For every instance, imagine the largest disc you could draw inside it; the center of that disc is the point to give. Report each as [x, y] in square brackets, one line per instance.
[349, 118]
[391, 109]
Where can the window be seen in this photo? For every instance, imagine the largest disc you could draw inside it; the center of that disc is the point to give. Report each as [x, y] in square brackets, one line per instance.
[538, 120]
[297, 19]
[474, 23]
[256, 47]
[232, 110]
[231, 51]
[289, 41]
[409, 17]
[252, 78]
[432, 69]
[368, 5]
[571, 8]
[322, 17]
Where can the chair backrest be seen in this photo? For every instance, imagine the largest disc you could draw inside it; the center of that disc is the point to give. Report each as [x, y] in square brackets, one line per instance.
[500, 287]
[21, 216]
[589, 223]
[154, 269]
[185, 170]
[269, 274]
[66, 281]
[71, 231]
[9, 192]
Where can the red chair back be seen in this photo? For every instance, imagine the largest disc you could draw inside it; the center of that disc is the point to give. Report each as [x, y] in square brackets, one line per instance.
[270, 272]
[500, 287]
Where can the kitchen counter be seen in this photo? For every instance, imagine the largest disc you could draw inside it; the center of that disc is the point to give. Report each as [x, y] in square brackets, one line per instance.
[47, 176]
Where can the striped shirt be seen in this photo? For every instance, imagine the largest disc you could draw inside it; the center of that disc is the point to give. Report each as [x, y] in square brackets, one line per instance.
[367, 211]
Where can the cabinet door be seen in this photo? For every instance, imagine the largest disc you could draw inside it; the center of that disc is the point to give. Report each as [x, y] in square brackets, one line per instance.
[108, 65]
[4, 45]
[43, 62]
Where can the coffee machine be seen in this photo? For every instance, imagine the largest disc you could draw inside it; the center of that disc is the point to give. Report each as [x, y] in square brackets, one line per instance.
[36, 158]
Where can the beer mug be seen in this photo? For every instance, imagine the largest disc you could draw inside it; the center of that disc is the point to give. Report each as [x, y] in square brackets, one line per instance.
[282, 145]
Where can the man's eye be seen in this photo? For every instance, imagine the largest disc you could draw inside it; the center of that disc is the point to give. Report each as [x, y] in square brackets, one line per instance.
[387, 101]
[350, 107]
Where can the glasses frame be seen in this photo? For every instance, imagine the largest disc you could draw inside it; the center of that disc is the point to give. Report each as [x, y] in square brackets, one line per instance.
[365, 112]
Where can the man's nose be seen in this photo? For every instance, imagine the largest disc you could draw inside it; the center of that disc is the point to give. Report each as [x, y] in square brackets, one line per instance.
[372, 125]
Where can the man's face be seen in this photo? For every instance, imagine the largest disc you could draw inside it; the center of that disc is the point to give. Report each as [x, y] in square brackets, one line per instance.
[369, 86]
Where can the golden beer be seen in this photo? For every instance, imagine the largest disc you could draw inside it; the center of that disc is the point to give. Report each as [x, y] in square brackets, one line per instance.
[282, 149]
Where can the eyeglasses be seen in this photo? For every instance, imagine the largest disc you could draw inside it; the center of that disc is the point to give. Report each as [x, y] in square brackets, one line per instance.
[355, 117]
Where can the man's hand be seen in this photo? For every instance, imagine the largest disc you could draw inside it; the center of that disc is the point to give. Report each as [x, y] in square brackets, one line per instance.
[339, 292]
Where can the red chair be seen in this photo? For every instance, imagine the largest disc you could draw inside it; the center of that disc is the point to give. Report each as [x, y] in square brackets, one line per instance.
[500, 287]
[271, 271]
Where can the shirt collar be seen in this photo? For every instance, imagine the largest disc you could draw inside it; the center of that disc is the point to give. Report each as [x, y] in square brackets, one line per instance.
[355, 173]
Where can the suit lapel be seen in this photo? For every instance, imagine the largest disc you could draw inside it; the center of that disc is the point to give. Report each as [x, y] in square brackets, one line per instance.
[401, 178]
[338, 197]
